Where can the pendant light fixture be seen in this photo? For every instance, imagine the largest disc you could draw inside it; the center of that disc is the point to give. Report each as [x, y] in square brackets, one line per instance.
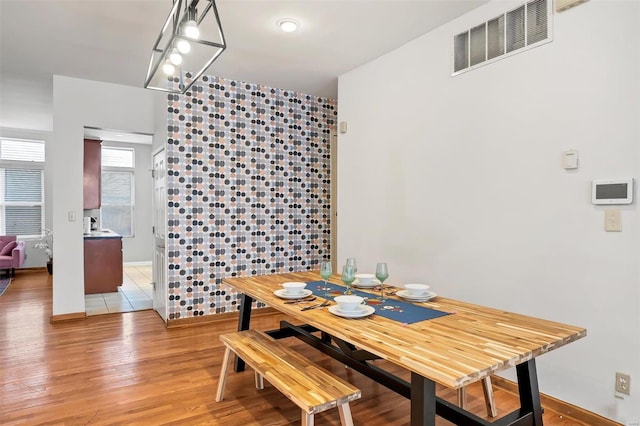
[191, 39]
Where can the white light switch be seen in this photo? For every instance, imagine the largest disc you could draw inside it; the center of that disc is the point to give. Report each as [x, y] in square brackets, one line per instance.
[570, 159]
[71, 215]
[612, 221]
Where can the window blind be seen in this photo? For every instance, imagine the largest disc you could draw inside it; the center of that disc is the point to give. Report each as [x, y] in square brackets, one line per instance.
[477, 44]
[512, 32]
[461, 51]
[22, 203]
[495, 37]
[117, 202]
[22, 187]
[536, 21]
[23, 220]
[515, 29]
[117, 157]
[22, 150]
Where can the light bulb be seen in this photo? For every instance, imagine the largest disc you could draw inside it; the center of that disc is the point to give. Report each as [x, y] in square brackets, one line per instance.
[175, 57]
[191, 29]
[183, 46]
[168, 68]
[288, 24]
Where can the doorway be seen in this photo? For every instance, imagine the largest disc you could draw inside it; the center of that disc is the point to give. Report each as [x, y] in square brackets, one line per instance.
[124, 208]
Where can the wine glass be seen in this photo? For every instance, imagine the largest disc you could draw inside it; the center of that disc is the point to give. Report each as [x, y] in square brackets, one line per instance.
[351, 261]
[382, 273]
[325, 273]
[348, 276]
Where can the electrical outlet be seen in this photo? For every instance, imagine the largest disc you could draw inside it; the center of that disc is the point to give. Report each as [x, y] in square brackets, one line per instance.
[623, 383]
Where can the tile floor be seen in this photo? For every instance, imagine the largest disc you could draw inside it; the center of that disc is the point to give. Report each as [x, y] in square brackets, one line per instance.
[135, 294]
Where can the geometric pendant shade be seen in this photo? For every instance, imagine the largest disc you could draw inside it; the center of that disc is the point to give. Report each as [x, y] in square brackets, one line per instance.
[189, 42]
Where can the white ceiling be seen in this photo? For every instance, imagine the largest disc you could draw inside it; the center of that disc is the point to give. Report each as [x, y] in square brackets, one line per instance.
[117, 136]
[110, 40]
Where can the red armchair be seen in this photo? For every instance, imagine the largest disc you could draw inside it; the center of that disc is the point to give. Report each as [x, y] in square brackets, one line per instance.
[11, 253]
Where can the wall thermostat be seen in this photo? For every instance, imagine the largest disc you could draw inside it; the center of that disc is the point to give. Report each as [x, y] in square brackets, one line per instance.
[612, 191]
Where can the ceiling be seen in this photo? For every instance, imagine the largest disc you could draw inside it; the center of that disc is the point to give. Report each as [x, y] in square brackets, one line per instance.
[110, 40]
[117, 136]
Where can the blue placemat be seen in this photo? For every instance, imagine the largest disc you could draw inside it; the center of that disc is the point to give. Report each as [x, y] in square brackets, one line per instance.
[394, 309]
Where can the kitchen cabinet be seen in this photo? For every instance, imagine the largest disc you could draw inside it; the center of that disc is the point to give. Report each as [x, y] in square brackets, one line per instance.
[102, 262]
[91, 173]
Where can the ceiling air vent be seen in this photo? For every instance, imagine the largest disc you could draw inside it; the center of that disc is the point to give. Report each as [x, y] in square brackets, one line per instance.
[513, 32]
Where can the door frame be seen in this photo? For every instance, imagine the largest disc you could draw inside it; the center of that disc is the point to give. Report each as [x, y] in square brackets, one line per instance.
[333, 227]
[159, 279]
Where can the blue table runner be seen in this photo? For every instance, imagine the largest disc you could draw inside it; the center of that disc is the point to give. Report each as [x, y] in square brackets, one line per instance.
[394, 309]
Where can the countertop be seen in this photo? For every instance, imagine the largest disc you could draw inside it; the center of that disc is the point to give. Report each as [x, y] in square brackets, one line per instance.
[102, 233]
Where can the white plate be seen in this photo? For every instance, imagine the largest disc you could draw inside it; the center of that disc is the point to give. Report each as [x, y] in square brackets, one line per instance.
[282, 293]
[373, 283]
[365, 311]
[423, 298]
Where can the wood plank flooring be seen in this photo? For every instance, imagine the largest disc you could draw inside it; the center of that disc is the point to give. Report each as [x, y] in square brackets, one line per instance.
[127, 368]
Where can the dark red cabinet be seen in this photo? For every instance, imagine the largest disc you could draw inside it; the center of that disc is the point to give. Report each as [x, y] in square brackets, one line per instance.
[92, 166]
[102, 265]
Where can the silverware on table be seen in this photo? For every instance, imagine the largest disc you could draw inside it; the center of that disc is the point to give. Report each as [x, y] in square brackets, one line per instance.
[316, 306]
[389, 290]
[293, 302]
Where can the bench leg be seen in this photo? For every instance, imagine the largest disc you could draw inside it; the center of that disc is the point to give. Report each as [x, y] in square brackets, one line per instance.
[307, 419]
[345, 414]
[462, 397]
[226, 363]
[489, 400]
[259, 381]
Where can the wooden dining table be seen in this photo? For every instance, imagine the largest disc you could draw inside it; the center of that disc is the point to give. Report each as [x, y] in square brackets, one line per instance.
[468, 344]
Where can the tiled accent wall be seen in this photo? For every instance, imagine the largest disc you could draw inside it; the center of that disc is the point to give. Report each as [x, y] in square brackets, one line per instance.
[248, 188]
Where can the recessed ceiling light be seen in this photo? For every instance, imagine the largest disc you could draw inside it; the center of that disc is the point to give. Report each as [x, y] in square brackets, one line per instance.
[288, 24]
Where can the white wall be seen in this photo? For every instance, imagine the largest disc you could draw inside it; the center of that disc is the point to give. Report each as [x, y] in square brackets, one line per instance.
[25, 104]
[457, 182]
[160, 113]
[78, 103]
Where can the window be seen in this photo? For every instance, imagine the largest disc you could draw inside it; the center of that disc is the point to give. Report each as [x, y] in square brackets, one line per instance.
[21, 187]
[117, 190]
[513, 32]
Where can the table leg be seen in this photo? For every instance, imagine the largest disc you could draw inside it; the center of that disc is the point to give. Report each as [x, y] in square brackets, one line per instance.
[423, 401]
[244, 321]
[528, 389]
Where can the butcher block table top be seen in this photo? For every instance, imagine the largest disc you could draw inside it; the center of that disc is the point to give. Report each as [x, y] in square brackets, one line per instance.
[453, 350]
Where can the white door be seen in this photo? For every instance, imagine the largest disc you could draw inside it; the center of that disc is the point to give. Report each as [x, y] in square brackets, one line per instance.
[160, 292]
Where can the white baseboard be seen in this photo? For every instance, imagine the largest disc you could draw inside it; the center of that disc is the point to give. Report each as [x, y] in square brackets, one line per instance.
[143, 263]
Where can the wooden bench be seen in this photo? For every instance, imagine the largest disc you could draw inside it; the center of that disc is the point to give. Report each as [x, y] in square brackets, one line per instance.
[310, 387]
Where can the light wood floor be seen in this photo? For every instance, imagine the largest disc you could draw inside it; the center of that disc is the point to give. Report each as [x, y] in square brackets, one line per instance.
[127, 368]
